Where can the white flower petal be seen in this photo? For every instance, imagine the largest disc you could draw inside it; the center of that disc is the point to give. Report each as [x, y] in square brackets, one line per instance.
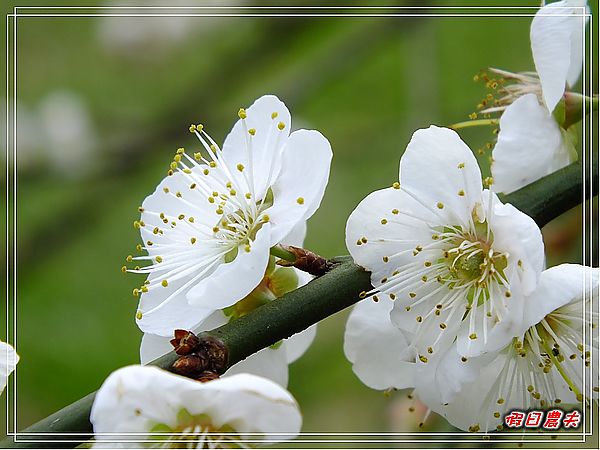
[266, 144]
[231, 282]
[269, 363]
[530, 146]
[518, 235]
[8, 362]
[164, 309]
[436, 165]
[296, 236]
[405, 227]
[378, 351]
[154, 346]
[556, 43]
[559, 286]
[299, 189]
[463, 392]
[296, 345]
[136, 398]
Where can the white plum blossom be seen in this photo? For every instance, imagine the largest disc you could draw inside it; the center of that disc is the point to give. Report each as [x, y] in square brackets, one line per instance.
[140, 407]
[380, 353]
[271, 362]
[455, 261]
[533, 140]
[209, 226]
[8, 362]
[543, 367]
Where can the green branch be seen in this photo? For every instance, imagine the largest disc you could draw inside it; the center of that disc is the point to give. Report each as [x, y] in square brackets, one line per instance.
[297, 310]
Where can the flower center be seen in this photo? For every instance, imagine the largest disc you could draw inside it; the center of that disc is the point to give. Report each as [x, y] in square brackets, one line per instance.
[193, 431]
[469, 260]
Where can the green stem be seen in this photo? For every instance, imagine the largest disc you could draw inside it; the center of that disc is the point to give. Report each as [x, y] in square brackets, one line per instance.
[279, 252]
[336, 290]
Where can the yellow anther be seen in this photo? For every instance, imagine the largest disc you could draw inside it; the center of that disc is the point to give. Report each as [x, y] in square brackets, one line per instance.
[248, 195]
[412, 294]
[443, 326]
[199, 127]
[192, 128]
[395, 211]
[138, 315]
[191, 219]
[384, 221]
[197, 156]
[247, 248]
[206, 171]
[473, 336]
[212, 164]
[240, 167]
[396, 185]
[252, 131]
[193, 240]
[274, 115]
[488, 181]
[419, 319]
[138, 247]
[193, 186]
[242, 113]
[232, 192]
[386, 259]
[215, 229]
[129, 258]
[124, 269]
[473, 116]
[424, 278]
[363, 240]
[440, 205]
[136, 292]
[159, 259]
[423, 358]
[177, 158]
[164, 283]
[392, 296]
[170, 173]
[173, 165]
[211, 200]
[300, 200]
[461, 193]
[187, 171]
[427, 263]
[461, 165]
[363, 294]
[281, 125]
[266, 218]
[144, 289]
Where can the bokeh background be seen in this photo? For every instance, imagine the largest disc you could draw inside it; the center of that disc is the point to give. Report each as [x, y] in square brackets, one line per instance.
[103, 102]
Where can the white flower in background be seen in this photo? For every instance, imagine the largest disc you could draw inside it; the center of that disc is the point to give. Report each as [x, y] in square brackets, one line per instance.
[189, 414]
[8, 362]
[533, 140]
[209, 226]
[542, 368]
[456, 261]
[56, 134]
[271, 362]
[70, 141]
[144, 37]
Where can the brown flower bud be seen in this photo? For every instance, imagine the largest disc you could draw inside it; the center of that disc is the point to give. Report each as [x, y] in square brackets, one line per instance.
[185, 342]
[307, 261]
[207, 375]
[191, 366]
[216, 352]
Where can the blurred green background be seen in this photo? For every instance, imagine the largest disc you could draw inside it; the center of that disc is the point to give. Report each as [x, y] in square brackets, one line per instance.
[103, 102]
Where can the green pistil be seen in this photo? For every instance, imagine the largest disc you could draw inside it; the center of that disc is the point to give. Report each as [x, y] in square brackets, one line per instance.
[560, 369]
[474, 123]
